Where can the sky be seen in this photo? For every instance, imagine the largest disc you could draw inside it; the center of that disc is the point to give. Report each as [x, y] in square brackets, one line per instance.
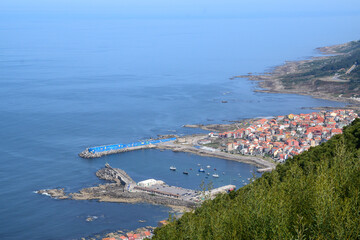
[181, 8]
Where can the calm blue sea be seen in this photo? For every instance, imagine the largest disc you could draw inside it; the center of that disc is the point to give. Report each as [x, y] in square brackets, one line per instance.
[75, 74]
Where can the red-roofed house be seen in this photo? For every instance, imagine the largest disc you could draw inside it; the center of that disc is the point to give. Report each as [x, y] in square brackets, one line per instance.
[336, 131]
[292, 142]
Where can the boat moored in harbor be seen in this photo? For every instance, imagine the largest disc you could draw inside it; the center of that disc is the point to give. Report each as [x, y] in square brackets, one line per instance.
[172, 168]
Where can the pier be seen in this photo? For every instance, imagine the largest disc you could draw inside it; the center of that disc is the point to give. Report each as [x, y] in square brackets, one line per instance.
[100, 151]
[117, 175]
[124, 189]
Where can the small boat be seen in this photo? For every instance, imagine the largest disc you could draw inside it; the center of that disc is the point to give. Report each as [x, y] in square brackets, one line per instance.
[197, 174]
[223, 173]
[172, 168]
[186, 173]
[198, 164]
[215, 169]
[201, 170]
[208, 166]
[215, 175]
[208, 174]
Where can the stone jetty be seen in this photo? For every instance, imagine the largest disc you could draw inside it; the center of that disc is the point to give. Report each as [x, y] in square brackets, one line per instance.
[100, 151]
[123, 189]
[116, 175]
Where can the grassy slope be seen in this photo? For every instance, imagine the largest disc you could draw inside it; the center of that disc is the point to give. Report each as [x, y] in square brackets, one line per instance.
[315, 195]
[350, 53]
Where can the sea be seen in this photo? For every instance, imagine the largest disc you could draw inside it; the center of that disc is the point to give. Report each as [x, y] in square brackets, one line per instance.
[75, 74]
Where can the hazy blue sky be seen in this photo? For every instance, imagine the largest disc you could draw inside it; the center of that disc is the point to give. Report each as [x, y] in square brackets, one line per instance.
[190, 8]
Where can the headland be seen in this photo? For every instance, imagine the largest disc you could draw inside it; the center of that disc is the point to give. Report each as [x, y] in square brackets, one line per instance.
[333, 76]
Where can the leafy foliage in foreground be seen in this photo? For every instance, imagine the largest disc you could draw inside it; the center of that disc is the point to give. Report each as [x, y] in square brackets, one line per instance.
[315, 195]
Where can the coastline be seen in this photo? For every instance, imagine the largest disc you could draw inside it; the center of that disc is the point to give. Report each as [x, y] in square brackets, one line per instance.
[112, 192]
[123, 189]
[190, 148]
[271, 82]
[189, 144]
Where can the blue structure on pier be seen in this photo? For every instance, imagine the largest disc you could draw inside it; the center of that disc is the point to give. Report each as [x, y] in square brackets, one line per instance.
[123, 146]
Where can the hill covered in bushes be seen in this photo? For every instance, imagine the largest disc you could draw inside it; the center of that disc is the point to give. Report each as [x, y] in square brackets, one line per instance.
[315, 195]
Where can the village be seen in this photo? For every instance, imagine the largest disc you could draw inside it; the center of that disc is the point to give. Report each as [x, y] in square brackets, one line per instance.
[281, 137]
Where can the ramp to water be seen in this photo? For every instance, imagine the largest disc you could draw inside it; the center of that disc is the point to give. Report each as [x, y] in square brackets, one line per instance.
[117, 175]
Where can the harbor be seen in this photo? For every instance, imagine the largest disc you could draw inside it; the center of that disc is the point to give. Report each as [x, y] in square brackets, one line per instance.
[124, 189]
[188, 144]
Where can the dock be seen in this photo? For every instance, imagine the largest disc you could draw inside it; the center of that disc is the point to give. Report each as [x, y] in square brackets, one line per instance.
[117, 175]
[124, 189]
[94, 152]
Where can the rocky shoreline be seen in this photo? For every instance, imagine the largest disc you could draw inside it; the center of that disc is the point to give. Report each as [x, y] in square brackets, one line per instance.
[117, 192]
[272, 82]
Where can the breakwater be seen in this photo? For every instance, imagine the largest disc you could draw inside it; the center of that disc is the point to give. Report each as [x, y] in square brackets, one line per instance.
[99, 151]
[126, 190]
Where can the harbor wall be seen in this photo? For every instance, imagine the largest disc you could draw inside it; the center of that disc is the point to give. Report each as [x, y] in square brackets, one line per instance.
[100, 151]
[122, 146]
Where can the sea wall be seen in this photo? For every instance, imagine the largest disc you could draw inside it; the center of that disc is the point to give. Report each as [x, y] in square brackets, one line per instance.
[99, 151]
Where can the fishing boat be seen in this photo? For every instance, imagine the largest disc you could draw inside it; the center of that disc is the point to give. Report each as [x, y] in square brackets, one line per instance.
[201, 170]
[185, 172]
[215, 175]
[172, 168]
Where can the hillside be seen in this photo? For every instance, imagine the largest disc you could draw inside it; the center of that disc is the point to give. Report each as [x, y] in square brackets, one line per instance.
[315, 195]
[330, 74]
[335, 76]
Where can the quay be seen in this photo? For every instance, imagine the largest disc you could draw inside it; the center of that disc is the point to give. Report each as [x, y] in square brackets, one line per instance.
[100, 151]
[124, 189]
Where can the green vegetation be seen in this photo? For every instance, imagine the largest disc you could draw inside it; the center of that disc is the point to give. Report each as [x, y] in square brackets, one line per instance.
[215, 144]
[349, 54]
[315, 195]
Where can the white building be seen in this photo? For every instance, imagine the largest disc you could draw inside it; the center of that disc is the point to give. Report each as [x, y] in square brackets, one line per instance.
[150, 182]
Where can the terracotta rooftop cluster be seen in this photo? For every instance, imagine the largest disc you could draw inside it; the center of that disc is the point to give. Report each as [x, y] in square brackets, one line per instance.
[284, 136]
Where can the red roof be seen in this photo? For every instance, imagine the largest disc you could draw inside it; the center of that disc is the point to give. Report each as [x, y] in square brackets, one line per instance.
[336, 130]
